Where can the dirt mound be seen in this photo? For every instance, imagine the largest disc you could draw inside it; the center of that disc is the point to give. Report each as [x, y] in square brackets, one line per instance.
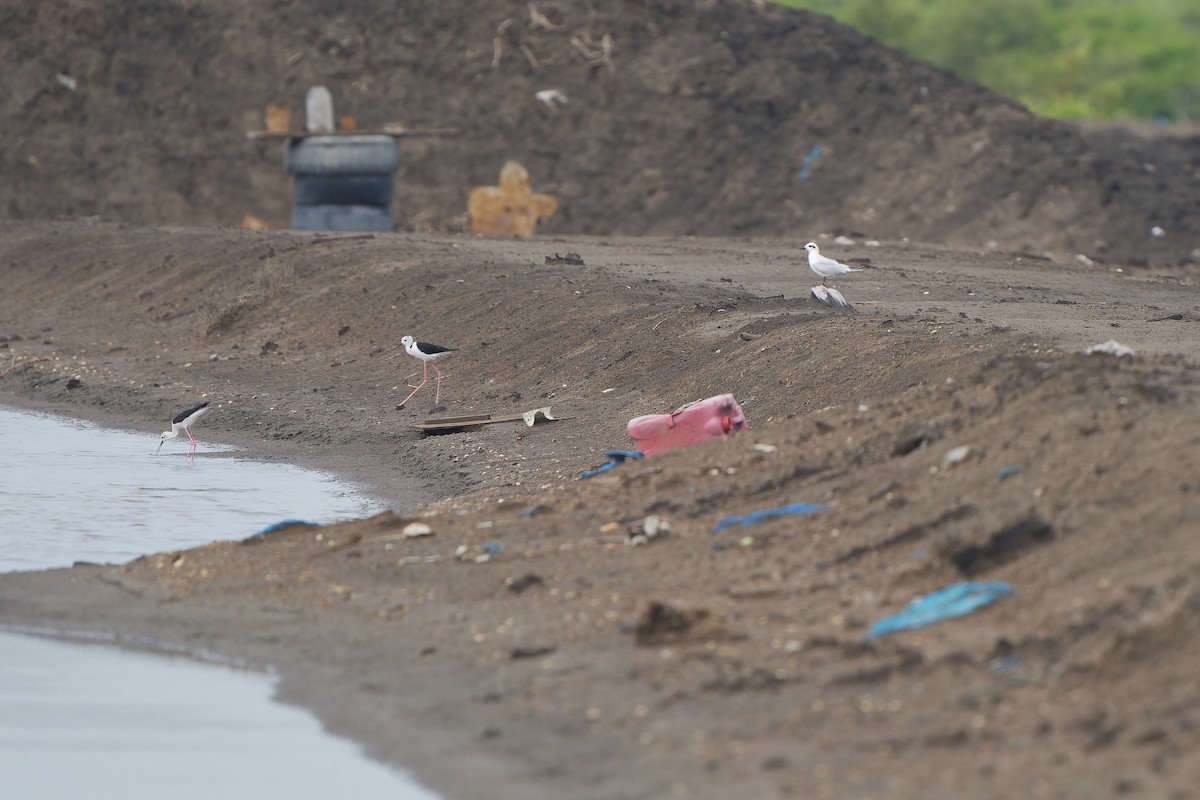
[681, 118]
[951, 429]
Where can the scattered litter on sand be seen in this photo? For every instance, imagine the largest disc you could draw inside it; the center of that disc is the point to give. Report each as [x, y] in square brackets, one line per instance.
[755, 517]
[708, 420]
[953, 601]
[278, 526]
[615, 459]
[1110, 348]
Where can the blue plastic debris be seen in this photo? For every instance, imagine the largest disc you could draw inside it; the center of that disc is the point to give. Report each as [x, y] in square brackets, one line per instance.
[1006, 665]
[493, 548]
[283, 523]
[802, 175]
[615, 458]
[956, 600]
[1007, 472]
[755, 517]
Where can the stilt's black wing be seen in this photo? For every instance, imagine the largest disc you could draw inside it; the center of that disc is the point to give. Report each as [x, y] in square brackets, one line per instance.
[185, 414]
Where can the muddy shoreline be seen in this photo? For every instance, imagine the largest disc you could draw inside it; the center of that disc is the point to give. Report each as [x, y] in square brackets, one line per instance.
[525, 674]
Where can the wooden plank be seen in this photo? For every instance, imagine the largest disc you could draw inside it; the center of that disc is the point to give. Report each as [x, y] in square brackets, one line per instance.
[509, 418]
[444, 424]
[470, 419]
[428, 427]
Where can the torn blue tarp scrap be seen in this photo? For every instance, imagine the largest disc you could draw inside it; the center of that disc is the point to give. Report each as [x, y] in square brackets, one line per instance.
[755, 517]
[1007, 664]
[955, 600]
[615, 457]
[276, 526]
[1007, 472]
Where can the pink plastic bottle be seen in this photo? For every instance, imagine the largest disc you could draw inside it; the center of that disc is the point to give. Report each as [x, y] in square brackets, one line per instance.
[708, 420]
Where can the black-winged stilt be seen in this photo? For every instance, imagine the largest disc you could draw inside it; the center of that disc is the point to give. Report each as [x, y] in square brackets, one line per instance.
[427, 353]
[822, 265]
[183, 422]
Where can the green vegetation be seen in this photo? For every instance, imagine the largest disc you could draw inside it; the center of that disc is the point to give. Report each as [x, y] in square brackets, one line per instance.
[1136, 59]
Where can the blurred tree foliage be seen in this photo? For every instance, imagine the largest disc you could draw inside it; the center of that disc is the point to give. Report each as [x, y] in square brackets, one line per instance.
[1136, 59]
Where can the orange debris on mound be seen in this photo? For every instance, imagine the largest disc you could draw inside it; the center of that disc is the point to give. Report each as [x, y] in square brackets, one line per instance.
[511, 208]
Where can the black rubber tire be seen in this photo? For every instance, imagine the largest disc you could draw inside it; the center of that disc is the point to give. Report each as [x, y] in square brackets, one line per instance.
[342, 155]
[341, 218]
[343, 190]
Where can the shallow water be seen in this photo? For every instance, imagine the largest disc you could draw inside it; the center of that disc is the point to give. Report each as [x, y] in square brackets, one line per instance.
[80, 720]
[72, 492]
[98, 722]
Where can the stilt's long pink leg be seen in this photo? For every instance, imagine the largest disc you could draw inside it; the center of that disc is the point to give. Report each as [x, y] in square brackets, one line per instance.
[414, 391]
[438, 395]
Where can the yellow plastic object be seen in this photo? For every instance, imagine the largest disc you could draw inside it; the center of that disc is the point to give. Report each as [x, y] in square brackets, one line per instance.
[510, 209]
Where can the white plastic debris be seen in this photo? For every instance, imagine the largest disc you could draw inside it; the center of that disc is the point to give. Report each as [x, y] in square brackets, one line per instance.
[415, 529]
[431, 559]
[643, 530]
[551, 98]
[764, 448]
[1157, 232]
[1110, 348]
[843, 240]
[654, 524]
[66, 81]
[956, 455]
